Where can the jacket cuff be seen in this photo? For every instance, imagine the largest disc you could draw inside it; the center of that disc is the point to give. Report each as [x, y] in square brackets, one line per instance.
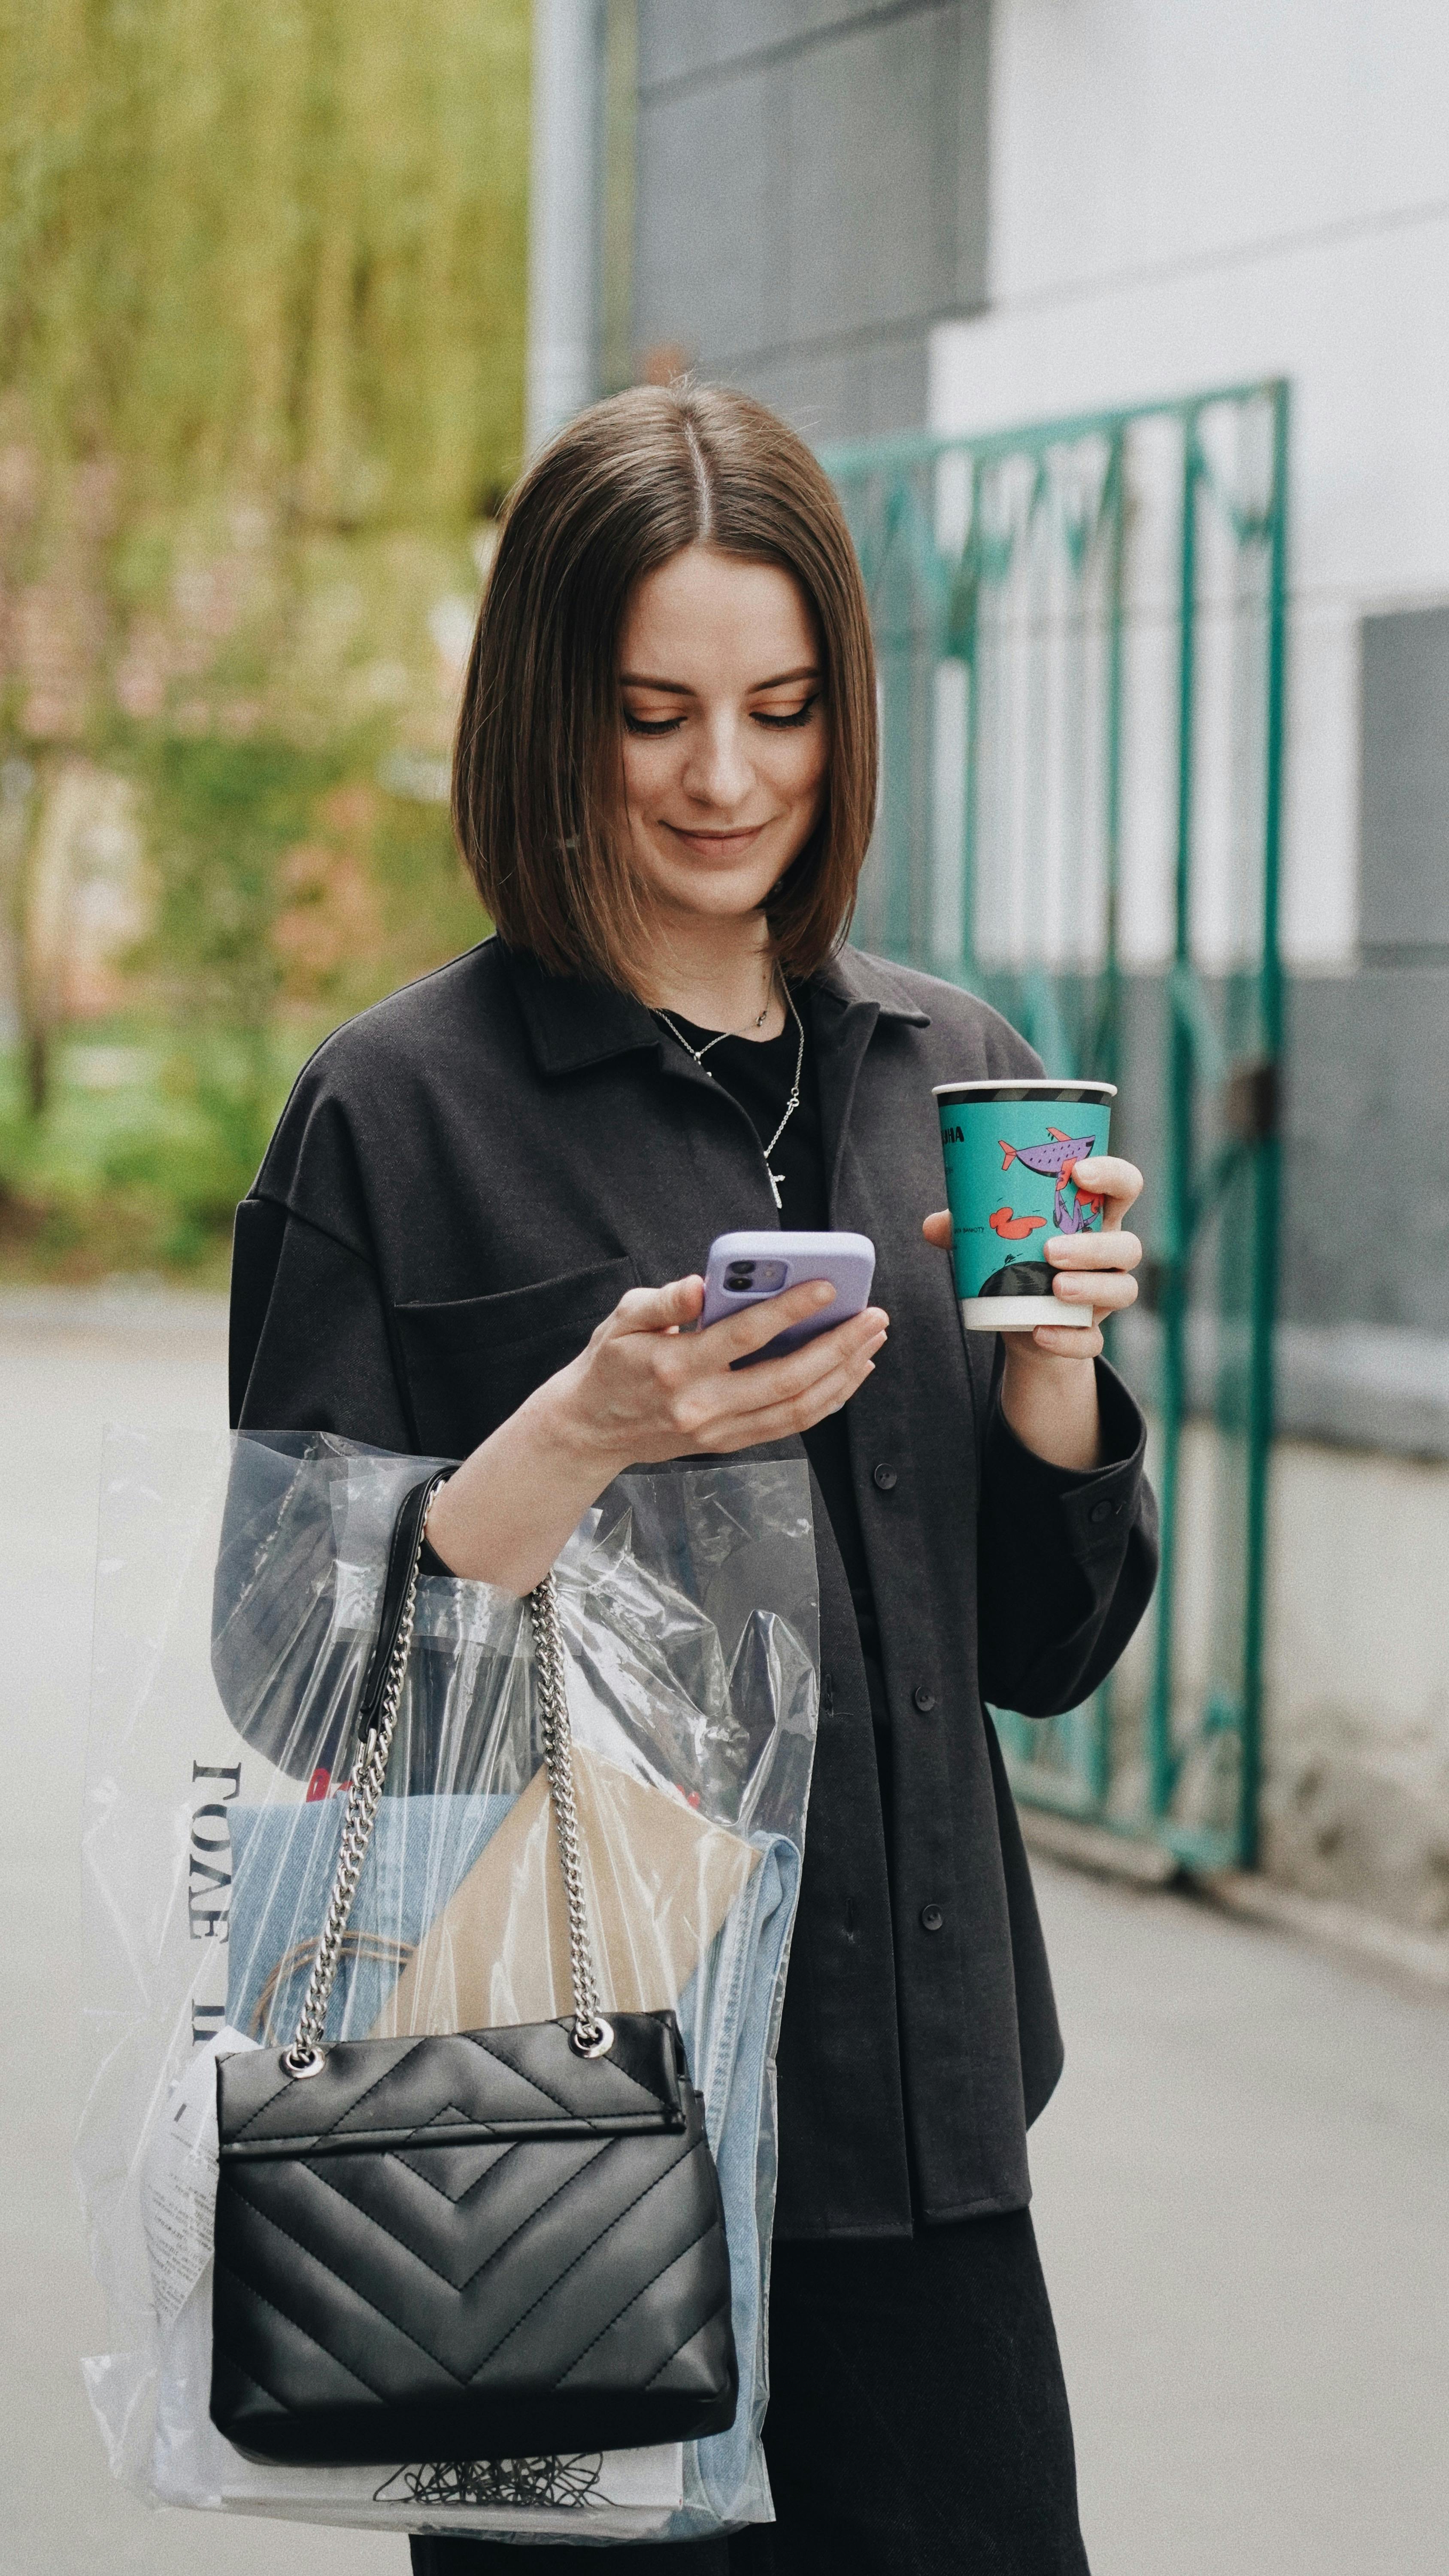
[1094, 1508]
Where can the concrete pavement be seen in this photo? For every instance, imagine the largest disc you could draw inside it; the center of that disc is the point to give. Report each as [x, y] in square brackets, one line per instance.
[1241, 2187]
[1242, 2195]
[63, 2515]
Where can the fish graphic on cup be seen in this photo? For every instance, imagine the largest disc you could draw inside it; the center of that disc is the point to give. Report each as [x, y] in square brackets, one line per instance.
[1000, 1289]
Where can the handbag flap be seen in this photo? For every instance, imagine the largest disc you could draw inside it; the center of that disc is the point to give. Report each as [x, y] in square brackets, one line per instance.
[454, 2089]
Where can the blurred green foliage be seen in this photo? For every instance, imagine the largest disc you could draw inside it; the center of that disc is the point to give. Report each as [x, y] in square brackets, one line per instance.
[261, 352]
[278, 247]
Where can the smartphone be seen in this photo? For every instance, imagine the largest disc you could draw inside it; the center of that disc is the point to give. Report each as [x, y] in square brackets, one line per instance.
[743, 1268]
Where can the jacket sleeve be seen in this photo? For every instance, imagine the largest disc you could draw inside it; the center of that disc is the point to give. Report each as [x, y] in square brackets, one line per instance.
[310, 1355]
[310, 1346]
[1067, 1560]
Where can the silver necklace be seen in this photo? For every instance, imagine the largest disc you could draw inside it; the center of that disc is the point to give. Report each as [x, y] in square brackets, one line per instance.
[791, 1105]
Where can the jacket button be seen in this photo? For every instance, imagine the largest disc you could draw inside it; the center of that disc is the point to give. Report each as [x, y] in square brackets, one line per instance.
[883, 1476]
[1103, 1511]
[932, 1918]
[925, 1699]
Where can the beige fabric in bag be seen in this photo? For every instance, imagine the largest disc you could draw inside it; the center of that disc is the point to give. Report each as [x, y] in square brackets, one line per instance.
[659, 1881]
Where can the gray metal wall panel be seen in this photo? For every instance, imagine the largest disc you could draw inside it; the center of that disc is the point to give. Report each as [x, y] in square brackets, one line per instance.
[681, 39]
[1365, 1226]
[1405, 893]
[1366, 1211]
[874, 146]
[867, 389]
[1363, 1340]
[811, 195]
[711, 263]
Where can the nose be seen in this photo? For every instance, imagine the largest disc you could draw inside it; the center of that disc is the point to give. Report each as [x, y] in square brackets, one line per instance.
[718, 771]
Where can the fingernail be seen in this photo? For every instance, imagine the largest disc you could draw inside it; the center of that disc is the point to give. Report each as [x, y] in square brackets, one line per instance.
[823, 1292]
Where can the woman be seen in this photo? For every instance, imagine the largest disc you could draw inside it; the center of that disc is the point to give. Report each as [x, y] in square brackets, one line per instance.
[478, 1233]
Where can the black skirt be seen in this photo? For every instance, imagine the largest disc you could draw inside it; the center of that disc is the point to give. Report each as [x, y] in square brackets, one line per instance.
[918, 2424]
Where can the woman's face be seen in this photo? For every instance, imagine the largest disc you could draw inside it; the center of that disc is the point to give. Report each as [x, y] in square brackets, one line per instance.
[724, 745]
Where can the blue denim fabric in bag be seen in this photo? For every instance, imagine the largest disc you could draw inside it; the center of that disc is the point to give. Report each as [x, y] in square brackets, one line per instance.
[283, 1860]
[729, 2061]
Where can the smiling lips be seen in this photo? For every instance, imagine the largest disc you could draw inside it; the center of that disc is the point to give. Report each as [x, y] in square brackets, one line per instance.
[716, 844]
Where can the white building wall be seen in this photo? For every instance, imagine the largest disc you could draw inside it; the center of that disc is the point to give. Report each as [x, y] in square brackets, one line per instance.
[1196, 192]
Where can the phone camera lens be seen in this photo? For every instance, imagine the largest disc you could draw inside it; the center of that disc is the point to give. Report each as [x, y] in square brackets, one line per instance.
[739, 1276]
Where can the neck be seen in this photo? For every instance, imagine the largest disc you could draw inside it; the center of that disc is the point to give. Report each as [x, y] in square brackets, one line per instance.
[720, 975]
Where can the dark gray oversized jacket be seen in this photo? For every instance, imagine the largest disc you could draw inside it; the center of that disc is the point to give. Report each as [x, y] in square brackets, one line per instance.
[464, 1182]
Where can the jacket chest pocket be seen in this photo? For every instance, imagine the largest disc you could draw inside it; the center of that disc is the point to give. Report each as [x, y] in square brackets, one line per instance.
[472, 1362]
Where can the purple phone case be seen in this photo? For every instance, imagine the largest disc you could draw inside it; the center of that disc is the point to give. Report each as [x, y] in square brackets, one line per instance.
[846, 1260]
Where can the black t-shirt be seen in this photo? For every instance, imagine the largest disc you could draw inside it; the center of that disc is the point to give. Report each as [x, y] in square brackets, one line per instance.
[758, 1075]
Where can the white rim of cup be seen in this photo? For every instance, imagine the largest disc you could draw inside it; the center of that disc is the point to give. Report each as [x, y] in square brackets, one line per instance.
[1068, 1088]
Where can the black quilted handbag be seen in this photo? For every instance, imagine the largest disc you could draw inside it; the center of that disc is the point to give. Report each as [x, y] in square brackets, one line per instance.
[501, 2244]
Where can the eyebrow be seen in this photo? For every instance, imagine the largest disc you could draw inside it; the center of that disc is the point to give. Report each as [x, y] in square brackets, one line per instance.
[678, 688]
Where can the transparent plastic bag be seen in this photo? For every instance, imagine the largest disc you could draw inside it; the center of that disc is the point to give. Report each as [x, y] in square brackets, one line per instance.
[237, 1593]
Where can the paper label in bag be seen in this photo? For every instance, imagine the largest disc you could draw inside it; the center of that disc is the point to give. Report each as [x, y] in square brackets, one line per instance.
[178, 2179]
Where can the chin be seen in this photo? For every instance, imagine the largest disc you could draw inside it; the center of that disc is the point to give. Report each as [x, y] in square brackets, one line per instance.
[717, 895]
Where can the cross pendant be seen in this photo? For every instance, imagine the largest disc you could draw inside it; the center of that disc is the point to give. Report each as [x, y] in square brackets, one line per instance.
[774, 1179]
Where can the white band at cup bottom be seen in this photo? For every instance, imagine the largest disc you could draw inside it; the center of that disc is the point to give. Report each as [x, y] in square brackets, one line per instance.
[1018, 1314]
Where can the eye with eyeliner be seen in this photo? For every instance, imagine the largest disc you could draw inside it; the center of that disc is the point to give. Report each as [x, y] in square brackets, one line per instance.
[642, 724]
[797, 716]
[652, 728]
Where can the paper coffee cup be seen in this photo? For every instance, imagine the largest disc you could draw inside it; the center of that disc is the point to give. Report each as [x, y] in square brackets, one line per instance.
[1011, 1149]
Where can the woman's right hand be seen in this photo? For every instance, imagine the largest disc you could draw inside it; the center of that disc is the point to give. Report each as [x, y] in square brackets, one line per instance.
[645, 1389]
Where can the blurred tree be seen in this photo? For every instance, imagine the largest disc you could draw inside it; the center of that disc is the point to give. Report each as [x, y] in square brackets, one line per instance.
[279, 247]
[261, 365]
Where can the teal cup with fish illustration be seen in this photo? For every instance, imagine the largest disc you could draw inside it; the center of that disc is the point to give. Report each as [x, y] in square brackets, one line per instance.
[1011, 1151]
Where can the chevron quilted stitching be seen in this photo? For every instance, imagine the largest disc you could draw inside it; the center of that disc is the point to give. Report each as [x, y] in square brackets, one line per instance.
[534, 2215]
[348, 2108]
[304, 2331]
[346, 2120]
[424, 2161]
[282, 2083]
[435, 2359]
[388, 2075]
[251, 2379]
[720, 2309]
[349, 2119]
[585, 2250]
[384, 2191]
[633, 2300]
[352, 2291]
[372, 2219]
[460, 2378]
[476, 2040]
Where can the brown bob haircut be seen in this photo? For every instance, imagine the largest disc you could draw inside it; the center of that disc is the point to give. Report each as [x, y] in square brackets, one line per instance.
[537, 769]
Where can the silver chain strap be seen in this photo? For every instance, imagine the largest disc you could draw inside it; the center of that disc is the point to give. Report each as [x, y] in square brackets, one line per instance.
[592, 2035]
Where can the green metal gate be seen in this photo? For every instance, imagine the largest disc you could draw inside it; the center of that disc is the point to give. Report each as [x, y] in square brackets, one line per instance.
[1080, 636]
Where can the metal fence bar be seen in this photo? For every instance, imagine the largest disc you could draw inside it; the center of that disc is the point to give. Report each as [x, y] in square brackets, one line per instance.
[1173, 1276]
[1267, 1172]
[1018, 558]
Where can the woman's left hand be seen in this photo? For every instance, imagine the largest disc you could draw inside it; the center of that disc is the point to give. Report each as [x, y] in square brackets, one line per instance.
[1092, 1269]
[1051, 1408]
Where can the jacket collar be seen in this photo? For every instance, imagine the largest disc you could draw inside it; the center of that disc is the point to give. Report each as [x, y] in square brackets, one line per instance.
[571, 1024]
[855, 981]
